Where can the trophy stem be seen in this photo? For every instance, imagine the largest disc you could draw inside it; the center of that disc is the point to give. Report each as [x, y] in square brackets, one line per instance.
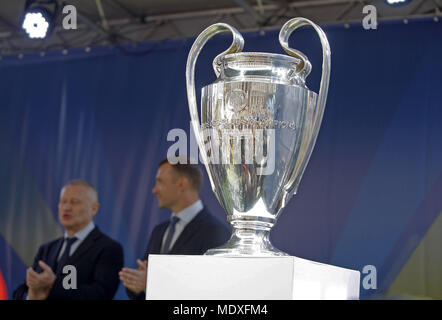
[249, 238]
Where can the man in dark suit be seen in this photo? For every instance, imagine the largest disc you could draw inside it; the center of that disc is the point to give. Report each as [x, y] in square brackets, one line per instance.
[82, 265]
[191, 229]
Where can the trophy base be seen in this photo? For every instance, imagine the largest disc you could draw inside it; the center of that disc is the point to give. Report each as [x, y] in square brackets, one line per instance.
[249, 239]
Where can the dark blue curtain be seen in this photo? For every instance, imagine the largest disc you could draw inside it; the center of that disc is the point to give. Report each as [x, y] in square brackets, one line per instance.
[369, 195]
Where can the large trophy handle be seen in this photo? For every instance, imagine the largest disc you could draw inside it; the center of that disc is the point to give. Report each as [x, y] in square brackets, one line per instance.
[236, 46]
[318, 111]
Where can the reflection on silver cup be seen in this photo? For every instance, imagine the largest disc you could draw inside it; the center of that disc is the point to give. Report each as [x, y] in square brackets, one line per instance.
[259, 124]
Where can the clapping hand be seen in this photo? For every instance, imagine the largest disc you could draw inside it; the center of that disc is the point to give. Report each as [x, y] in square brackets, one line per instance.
[39, 283]
[135, 279]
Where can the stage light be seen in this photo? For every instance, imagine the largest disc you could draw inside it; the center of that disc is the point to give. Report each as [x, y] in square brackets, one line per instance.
[39, 18]
[35, 25]
[396, 2]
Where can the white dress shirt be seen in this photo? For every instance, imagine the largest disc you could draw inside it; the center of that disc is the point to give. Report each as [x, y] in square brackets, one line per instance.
[80, 235]
[186, 215]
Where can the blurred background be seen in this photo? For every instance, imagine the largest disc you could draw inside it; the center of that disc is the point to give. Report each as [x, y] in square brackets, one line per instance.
[97, 102]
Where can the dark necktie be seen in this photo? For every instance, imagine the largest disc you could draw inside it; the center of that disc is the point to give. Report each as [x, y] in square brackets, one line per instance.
[65, 256]
[169, 236]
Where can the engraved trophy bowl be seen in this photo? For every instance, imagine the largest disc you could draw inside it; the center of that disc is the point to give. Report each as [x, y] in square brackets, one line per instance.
[259, 124]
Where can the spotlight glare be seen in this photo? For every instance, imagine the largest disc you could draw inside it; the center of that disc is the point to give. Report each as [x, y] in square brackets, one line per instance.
[35, 25]
[393, 2]
[39, 17]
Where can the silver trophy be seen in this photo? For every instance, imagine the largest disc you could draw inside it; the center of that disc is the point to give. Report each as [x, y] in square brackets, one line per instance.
[259, 124]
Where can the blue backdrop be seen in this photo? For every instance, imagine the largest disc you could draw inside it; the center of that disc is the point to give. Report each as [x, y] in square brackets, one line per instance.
[369, 195]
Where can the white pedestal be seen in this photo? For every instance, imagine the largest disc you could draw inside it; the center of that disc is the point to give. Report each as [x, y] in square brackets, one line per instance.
[174, 277]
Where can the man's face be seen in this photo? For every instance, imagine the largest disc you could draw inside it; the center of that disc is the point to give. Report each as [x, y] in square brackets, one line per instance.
[166, 186]
[77, 207]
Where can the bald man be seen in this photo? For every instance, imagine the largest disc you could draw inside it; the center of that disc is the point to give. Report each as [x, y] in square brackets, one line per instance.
[94, 257]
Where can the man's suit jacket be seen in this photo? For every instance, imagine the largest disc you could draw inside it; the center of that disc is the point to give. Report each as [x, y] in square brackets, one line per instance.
[204, 232]
[97, 260]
